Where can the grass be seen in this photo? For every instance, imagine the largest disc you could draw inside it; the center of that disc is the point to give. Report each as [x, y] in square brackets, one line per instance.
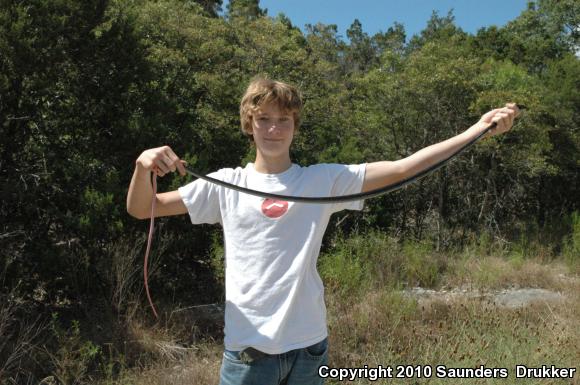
[374, 321]
[199, 366]
[386, 327]
[389, 330]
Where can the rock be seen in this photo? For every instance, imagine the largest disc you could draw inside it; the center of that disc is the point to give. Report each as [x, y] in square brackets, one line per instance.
[524, 297]
[510, 298]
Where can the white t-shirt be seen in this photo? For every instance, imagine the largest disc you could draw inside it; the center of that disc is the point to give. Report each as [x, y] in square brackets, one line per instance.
[274, 295]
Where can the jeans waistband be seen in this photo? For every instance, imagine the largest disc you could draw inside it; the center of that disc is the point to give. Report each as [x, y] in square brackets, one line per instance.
[250, 354]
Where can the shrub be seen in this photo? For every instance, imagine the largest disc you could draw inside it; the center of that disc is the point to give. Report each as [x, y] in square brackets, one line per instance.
[571, 244]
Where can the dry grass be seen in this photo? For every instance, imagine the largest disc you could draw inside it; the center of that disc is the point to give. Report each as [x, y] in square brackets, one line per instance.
[18, 339]
[386, 327]
[198, 366]
[389, 329]
[496, 273]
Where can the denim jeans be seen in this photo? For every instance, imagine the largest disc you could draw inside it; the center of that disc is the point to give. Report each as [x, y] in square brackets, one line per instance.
[296, 367]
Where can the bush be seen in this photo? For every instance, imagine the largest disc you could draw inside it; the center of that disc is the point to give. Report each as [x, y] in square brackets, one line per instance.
[379, 261]
[74, 356]
[571, 244]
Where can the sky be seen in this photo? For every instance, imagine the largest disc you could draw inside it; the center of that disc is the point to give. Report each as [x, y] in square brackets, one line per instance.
[379, 15]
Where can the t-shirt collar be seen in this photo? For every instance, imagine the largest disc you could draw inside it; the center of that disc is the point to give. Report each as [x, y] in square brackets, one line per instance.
[278, 176]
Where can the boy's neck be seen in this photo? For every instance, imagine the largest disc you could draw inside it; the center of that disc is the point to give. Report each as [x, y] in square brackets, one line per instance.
[266, 165]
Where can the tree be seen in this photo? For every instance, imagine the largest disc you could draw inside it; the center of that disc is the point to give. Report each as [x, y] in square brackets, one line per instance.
[361, 53]
[392, 40]
[247, 9]
[211, 7]
[324, 43]
[562, 18]
[438, 28]
[542, 32]
[561, 112]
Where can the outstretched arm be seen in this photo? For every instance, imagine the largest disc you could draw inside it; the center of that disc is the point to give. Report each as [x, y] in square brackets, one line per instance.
[380, 174]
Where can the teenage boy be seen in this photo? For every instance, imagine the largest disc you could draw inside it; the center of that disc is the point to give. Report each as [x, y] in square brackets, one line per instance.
[275, 317]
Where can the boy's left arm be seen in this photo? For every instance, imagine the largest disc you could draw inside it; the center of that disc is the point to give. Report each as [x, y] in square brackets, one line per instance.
[380, 174]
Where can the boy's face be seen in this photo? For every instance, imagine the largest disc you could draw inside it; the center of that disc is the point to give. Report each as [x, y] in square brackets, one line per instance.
[273, 130]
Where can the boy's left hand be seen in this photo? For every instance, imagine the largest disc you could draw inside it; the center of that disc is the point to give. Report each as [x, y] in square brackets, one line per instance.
[504, 117]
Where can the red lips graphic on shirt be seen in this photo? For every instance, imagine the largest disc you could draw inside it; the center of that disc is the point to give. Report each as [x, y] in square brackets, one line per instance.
[273, 208]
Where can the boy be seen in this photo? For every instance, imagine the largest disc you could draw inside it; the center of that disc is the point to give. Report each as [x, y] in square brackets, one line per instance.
[275, 318]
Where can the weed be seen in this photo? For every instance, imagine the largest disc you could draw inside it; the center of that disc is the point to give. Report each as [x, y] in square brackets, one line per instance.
[18, 338]
[74, 355]
[571, 250]
[420, 264]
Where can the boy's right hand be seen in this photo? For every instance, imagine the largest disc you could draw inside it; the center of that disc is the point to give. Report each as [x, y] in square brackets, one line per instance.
[161, 160]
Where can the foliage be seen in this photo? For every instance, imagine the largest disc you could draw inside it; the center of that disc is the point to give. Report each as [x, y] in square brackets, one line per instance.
[572, 243]
[373, 260]
[74, 355]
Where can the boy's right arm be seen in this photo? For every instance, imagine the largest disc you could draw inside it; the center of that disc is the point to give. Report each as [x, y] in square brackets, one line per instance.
[161, 160]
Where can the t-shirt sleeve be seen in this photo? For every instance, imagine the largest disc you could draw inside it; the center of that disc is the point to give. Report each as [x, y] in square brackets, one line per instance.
[202, 200]
[347, 179]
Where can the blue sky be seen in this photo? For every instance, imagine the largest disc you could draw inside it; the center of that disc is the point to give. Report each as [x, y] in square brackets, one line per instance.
[377, 15]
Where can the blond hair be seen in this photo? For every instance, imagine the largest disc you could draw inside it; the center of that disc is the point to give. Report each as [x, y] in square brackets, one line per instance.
[262, 91]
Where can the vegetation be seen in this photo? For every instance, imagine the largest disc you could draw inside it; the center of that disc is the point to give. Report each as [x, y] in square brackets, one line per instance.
[85, 86]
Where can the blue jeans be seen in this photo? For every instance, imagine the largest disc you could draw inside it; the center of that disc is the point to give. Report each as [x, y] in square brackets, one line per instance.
[296, 367]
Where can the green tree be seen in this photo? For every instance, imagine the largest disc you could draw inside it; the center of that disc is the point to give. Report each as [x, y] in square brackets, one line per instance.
[361, 53]
[392, 40]
[561, 113]
[544, 31]
[438, 28]
[211, 7]
[248, 9]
